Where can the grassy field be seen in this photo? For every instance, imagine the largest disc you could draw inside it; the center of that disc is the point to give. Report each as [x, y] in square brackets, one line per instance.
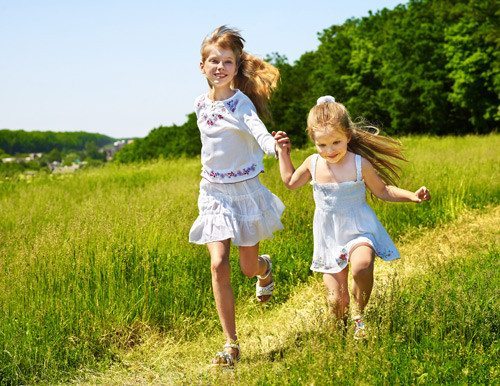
[91, 261]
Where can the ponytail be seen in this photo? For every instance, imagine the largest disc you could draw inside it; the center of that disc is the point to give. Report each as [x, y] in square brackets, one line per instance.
[257, 79]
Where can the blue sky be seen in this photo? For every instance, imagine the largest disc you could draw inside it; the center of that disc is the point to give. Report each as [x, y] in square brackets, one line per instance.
[122, 68]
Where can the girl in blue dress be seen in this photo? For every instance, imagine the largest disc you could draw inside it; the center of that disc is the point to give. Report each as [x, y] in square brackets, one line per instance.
[346, 230]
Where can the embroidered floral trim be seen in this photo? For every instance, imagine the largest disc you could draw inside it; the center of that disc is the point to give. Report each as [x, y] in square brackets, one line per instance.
[231, 174]
[211, 119]
[231, 104]
[217, 111]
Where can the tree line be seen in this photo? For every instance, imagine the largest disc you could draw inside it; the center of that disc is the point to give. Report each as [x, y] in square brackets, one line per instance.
[21, 141]
[424, 67]
[63, 148]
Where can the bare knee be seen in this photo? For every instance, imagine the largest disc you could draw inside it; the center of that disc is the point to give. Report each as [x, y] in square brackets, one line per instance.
[248, 271]
[220, 269]
[338, 300]
[362, 271]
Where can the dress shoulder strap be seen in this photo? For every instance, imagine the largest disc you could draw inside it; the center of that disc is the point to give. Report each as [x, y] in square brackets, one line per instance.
[359, 175]
[314, 162]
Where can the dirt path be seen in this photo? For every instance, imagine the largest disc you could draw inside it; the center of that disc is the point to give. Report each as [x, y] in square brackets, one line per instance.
[161, 360]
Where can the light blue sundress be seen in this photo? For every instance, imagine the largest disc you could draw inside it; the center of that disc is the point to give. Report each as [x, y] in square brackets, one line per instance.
[342, 221]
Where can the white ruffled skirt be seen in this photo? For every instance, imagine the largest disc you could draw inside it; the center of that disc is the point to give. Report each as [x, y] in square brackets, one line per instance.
[245, 212]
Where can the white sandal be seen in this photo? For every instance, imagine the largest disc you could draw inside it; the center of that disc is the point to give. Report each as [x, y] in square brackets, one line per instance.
[224, 358]
[359, 328]
[268, 289]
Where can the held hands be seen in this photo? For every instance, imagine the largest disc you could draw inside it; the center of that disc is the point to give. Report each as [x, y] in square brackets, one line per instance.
[282, 142]
[422, 194]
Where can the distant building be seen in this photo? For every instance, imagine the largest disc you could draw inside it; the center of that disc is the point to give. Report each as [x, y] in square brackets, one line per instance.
[28, 158]
[33, 156]
[117, 145]
[53, 165]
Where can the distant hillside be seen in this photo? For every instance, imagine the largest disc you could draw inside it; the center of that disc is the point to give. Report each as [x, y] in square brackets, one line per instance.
[164, 141]
[20, 141]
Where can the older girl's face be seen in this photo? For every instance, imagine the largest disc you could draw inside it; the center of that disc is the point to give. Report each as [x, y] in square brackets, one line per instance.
[331, 144]
[219, 67]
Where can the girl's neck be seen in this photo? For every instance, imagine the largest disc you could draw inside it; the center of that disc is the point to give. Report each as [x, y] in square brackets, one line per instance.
[218, 94]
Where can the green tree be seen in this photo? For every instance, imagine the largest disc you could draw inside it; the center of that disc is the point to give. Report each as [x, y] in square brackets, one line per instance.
[164, 141]
[20, 141]
[92, 152]
[291, 101]
[54, 155]
[71, 158]
[472, 52]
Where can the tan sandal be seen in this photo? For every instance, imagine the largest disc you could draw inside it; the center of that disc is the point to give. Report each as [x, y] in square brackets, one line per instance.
[224, 358]
[268, 289]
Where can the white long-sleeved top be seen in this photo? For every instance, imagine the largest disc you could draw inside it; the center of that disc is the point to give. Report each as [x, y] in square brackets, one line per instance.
[233, 138]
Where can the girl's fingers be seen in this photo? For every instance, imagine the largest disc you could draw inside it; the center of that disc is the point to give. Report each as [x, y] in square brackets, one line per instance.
[424, 193]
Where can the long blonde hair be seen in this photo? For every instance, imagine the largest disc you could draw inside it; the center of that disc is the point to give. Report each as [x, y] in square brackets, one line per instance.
[364, 139]
[256, 78]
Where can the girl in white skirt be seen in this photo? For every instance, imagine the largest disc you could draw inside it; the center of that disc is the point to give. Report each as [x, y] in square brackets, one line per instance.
[233, 205]
[346, 230]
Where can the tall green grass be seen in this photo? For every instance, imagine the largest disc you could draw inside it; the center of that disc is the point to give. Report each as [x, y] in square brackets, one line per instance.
[86, 257]
[438, 328]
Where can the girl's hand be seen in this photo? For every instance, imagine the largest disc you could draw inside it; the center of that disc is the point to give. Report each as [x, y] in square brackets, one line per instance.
[423, 194]
[282, 142]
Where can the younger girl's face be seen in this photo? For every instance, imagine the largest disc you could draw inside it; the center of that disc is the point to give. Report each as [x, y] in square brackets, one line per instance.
[219, 67]
[331, 144]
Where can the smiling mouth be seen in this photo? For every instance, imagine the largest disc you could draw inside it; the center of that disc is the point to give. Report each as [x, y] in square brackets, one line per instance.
[331, 158]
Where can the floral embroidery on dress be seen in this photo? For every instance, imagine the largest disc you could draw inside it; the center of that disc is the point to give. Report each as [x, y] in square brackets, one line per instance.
[343, 254]
[231, 104]
[216, 111]
[231, 174]
[200, 104]
[211, 119]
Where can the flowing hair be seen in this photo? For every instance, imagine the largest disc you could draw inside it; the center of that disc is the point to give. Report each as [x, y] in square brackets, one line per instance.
[256, 78]
[364, 139]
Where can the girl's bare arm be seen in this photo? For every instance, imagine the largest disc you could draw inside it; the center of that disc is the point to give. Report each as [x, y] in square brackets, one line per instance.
[292, 178]
[389, 192]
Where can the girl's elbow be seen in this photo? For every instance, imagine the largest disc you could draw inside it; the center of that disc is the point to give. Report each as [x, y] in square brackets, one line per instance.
[287, 184]
[382, 195]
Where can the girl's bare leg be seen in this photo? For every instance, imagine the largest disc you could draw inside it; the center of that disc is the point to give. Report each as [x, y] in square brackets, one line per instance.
[221, 286]
[338, 293]
[362, 261]
[251, 265]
